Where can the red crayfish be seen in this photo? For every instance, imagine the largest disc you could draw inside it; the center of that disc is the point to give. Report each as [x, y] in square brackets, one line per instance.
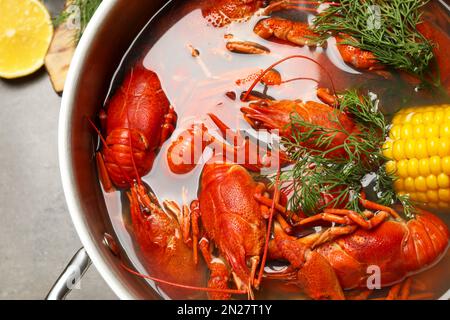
[338, 258]
[137, 121]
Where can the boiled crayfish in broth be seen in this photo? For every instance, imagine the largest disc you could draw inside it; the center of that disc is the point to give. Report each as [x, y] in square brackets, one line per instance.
[339, 258]
[222, 12]
[232, 218]
[138, 119]
[278, 115]
[164, 247]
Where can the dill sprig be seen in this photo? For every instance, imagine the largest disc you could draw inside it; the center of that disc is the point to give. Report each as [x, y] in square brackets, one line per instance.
[85, 9]
[384, 187]
[393, 39]
[315, 173]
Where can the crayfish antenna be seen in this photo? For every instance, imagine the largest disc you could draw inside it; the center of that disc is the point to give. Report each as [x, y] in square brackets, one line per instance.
[224, 129]
[291, 5]
[255, 155]
[298, 56]
[275, 200]
[178, 285]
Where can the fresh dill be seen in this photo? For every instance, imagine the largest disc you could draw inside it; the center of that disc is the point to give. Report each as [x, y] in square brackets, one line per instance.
[387, 28]
[317, 174]
[81, 11]
[384, 187]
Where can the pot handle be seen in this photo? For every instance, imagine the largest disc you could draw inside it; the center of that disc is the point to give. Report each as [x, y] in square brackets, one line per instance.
[70, 277]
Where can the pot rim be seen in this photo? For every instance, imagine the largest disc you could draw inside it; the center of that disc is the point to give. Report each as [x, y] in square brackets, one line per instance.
[65, 157]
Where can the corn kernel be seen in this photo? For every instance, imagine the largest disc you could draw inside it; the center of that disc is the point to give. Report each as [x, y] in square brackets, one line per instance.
[391, 167]
[413, 168]
[424, 168]
[419, 131]
[406, 131]
[432, 182]
[443, 180]
[413, 196]
[444, 195]
[421, 149]
[417, 118]
[409, 185]
[395, 132]
[439, 115]
[402, 168]
[444, 131]
[445, 163]
[409, 148]
[405, 118]
[422, 197]
[432, 130]
[397, 119]
[398, 150]
[420, 183]
[433, 146]
[387, 149]
[428, 117]
[444, 148]
[447, 114]
[399, 185]
[433, 196]
[435, 165]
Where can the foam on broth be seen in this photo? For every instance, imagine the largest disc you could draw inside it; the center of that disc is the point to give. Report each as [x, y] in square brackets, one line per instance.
[196, 86]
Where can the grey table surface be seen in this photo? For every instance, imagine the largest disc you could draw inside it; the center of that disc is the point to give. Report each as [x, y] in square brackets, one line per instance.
[37, 237]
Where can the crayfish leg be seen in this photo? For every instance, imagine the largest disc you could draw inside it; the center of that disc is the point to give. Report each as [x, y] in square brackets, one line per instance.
[103, 173]
[348, 217]
[333, 233]
[315, 274]
[359, 295]
[254, 261]
[220, 274]
[183, 216]
[400, 291]
[195, 217]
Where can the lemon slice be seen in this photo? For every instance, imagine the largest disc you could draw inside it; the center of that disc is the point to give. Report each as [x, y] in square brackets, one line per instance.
[26, 31]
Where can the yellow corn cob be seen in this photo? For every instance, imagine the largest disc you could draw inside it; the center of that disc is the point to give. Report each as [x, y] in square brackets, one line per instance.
[419, 149]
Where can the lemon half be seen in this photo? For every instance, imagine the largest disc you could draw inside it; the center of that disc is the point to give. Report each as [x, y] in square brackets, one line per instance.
[26, 31]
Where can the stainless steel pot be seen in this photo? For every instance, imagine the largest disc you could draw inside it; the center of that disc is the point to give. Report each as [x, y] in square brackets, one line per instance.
[104, 43]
